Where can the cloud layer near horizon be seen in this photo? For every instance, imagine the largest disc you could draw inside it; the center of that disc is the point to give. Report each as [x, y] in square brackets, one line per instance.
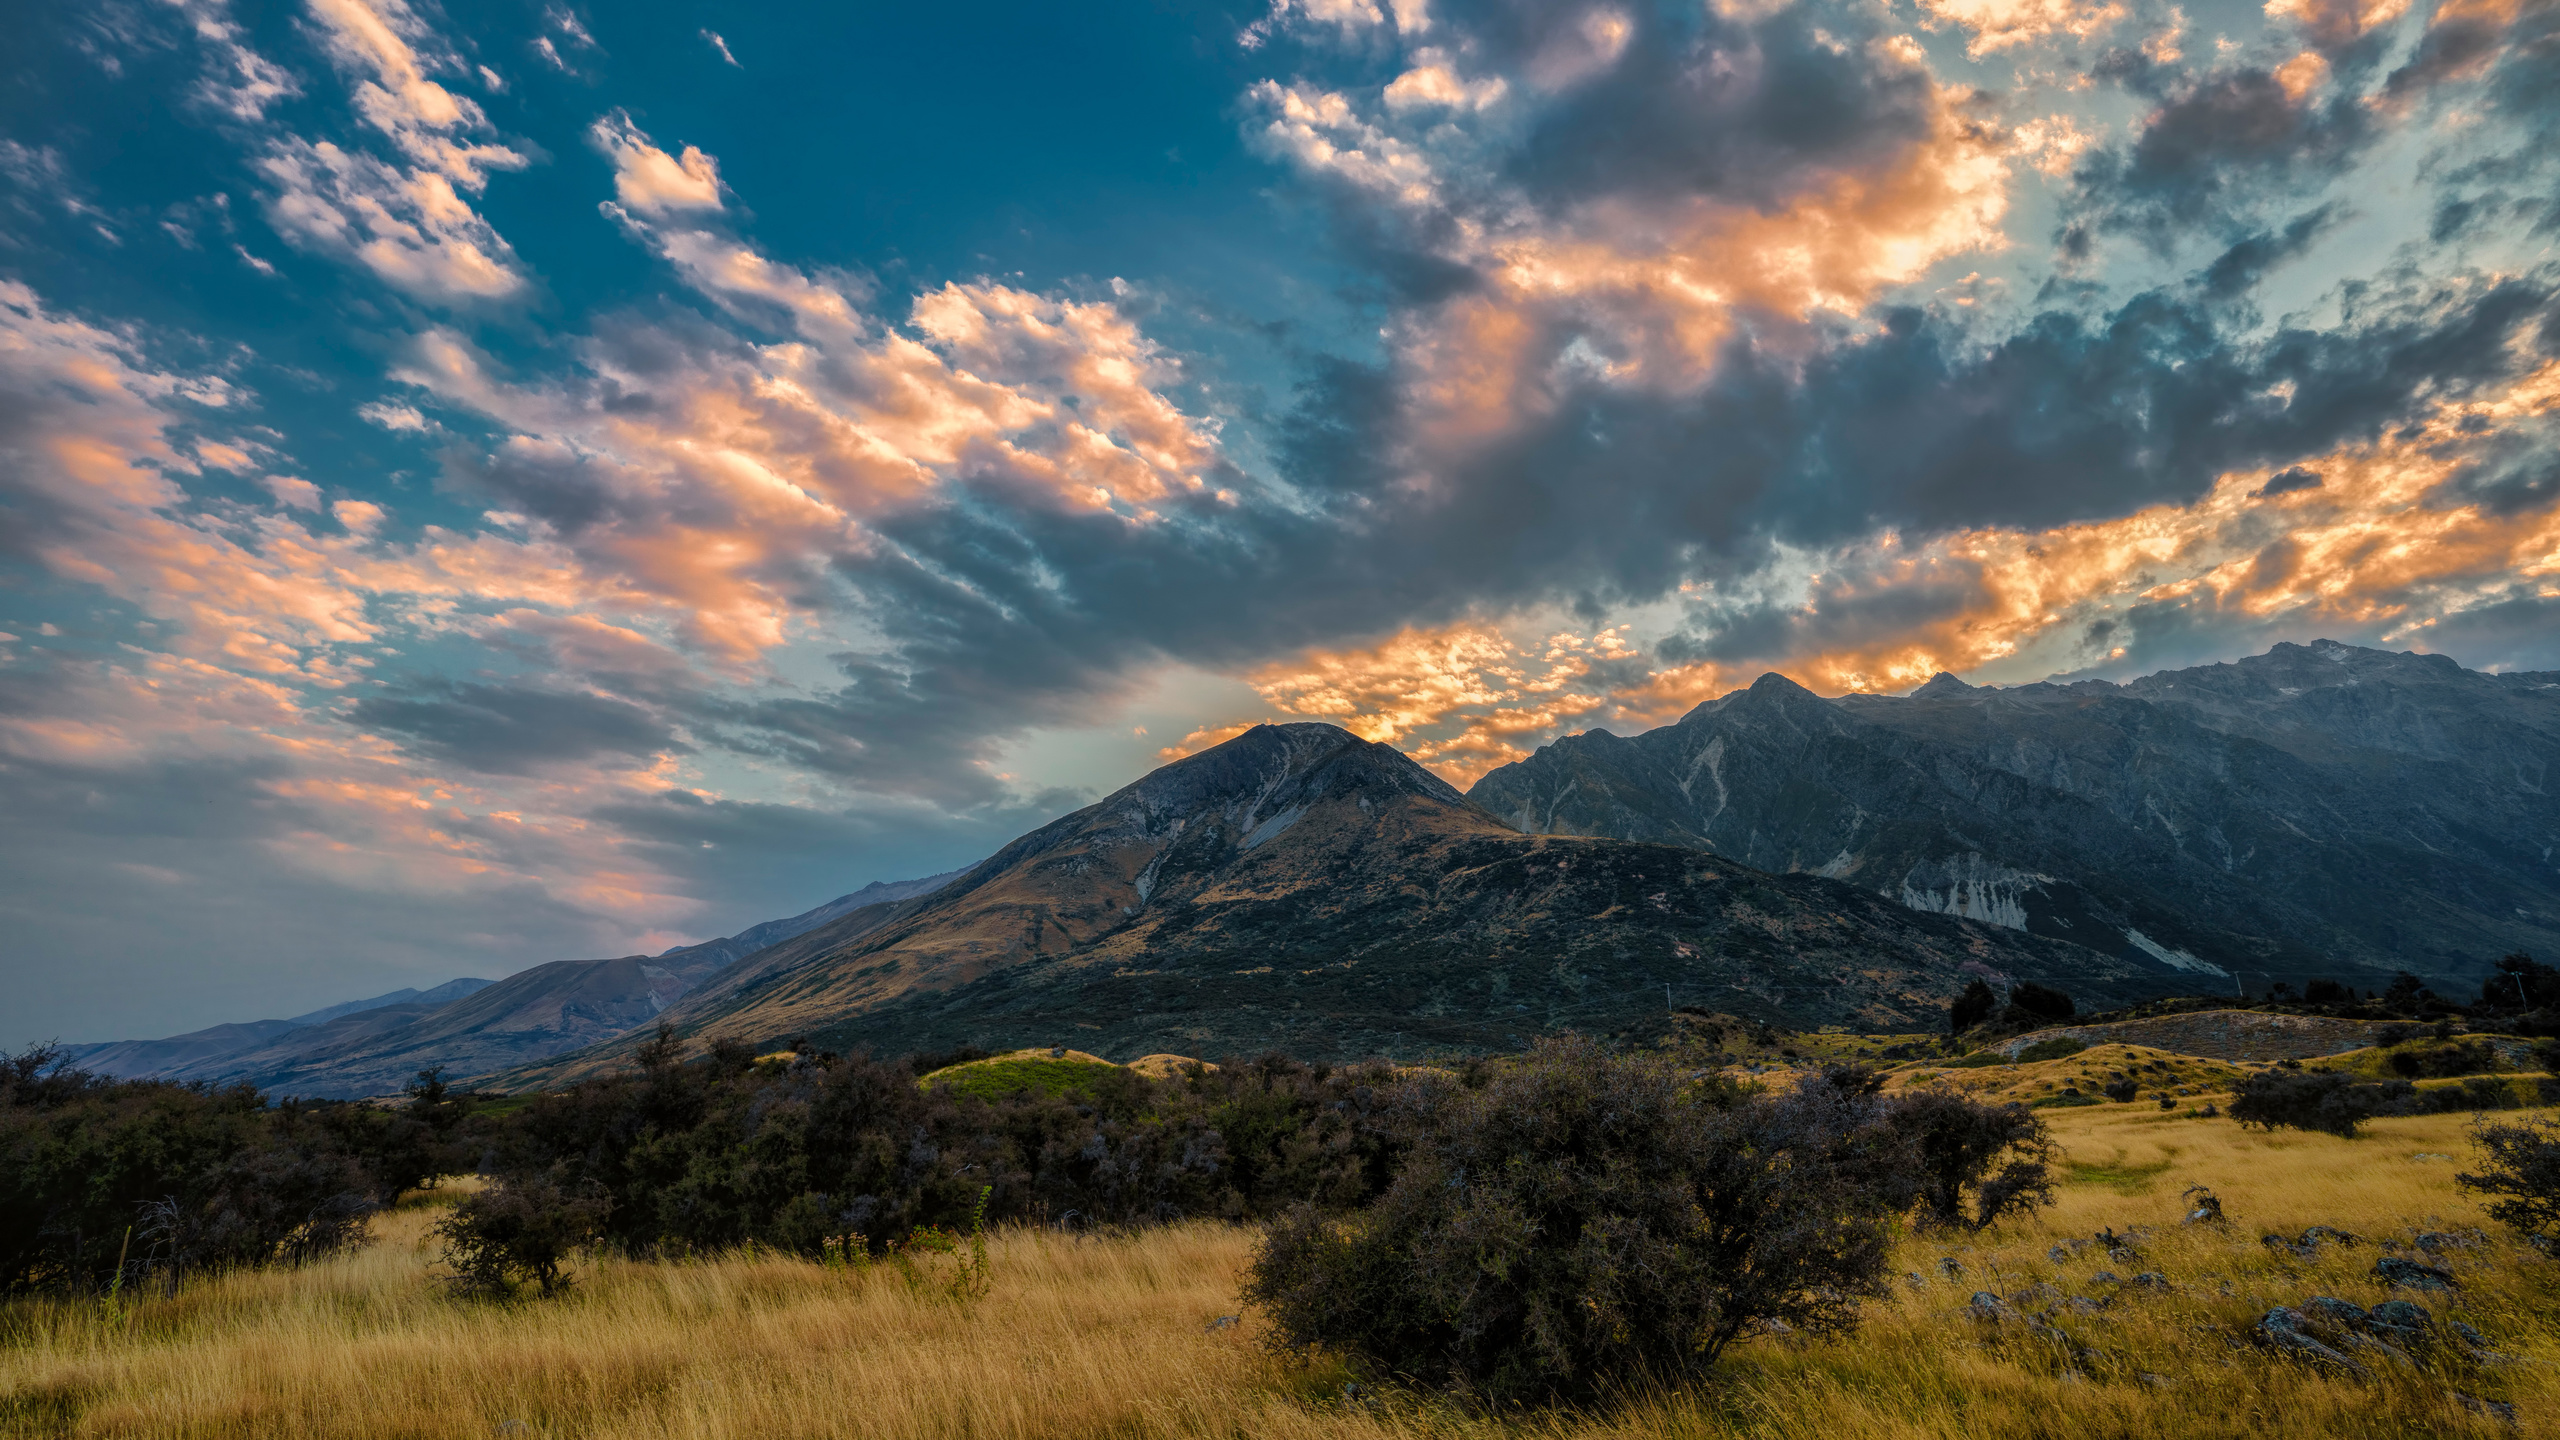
[594, 578]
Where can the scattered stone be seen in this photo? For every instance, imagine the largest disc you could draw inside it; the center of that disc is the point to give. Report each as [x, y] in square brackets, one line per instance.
[2396, 1271]
[2105, 1277]
[2059, 1255]
[1948, 1267]
[1987, 1306]
[2336, 1311]
[2401, 1320]
[2498, 1410]
[2436, 1242]
[2307, 1245]
[2155, 1380]
[2083, 1305]
[2282, 1330]
[2202, 1207]
[2036, 1294]
[2470, 1337]
[2150, 1280]
[1916, 1280]
[2318, 1233]
[1224, 1322]
[1354, 1392]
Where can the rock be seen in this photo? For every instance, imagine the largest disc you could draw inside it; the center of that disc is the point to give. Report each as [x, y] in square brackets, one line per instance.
[2319, 1233]
[1224, 1322]
[2498, 1410]
[1948, 1267]
[2396, 1271]
[2436, 1242]
[2150, 1280]
[2470, 1337]
[2283, 1331]
[1354, 1392]
[2155, 1380]
[2336, 1311]
[1916, 1280]
[2058, 1255]
[2400, 1320]
[1987, 1306]
[2105, 1277]
[2083, 1305]
[2036, 1294]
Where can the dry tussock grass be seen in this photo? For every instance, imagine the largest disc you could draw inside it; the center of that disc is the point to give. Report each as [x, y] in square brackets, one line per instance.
[1109, 1337]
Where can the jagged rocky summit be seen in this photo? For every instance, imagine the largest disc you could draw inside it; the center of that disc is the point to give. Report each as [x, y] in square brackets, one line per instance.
[1303, 889]
[2318, 811]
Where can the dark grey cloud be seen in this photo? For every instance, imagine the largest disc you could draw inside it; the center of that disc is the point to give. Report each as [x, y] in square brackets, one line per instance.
[516, 729]
[2217, 150]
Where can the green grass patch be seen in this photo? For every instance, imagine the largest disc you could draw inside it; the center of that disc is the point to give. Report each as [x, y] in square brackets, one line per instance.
[2118, 1175]
[1035, 1070]
[2053, 1049]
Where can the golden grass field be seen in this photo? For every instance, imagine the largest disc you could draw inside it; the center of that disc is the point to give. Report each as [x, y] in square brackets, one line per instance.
[1108, 1336]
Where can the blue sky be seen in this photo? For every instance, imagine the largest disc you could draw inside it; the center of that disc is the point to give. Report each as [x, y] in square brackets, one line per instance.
[490, 484]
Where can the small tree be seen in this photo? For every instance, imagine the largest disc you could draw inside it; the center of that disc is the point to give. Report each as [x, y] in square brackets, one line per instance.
[2520, 1163]
[1956, 1142]
[521, 1230]
[2041, 1001]
[1971, 1008]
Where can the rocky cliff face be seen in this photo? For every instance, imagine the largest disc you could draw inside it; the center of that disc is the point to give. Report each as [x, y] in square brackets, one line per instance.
[1301, 888]
[2320, 810]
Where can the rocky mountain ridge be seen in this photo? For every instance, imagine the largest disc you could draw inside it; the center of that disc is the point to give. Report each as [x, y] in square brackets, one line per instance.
[1302, 889]
[2319, 810]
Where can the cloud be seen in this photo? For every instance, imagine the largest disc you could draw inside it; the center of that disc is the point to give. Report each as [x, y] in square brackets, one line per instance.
[515, 729]
[409, 222]
[712, 37]
[649, 180]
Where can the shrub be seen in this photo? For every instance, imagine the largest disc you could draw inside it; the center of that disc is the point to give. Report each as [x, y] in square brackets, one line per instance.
[1971, 1008]
[2312, 1100]
[518, 1231]
[1955, 1142]
[2327, 992]
[2042, 1001]
[1585, 1219]
[2520, 1164]
[199, 1177]
[2120, 1090]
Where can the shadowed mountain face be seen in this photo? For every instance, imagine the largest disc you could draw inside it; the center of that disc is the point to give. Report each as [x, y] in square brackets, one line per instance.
[2319, 810]
[1300, 888]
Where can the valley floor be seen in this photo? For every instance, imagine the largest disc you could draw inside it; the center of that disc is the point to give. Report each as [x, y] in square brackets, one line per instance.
[1111, 1336]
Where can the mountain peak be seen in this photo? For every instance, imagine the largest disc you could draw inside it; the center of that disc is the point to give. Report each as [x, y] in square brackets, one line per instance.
[1942, 683]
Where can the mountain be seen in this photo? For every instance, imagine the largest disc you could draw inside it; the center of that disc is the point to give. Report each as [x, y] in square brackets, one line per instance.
[1300, 888]
[2319, 810]
[137, 1059]
[467, 1028]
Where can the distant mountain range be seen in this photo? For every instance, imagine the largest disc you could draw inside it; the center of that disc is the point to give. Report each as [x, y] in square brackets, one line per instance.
[466, 1027]
[1302, 889]
[2317, 811]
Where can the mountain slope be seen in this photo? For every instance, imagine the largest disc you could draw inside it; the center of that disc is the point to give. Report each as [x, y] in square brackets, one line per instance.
[1300, 888]
[2319, 810]
[469, 1028]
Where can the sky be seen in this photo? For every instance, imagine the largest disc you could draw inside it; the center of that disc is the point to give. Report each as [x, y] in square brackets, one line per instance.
[499, 483]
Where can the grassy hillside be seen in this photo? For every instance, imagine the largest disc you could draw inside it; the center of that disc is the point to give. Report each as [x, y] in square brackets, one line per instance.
[1112, 1336]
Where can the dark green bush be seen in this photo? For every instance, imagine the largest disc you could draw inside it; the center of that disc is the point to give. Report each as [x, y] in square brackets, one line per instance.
[1587, 1220]
[2320, 1100]
[1971, 1008]
[519, 1231]
[197, 1177]
[2520, 1165]
[1971, 1164]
